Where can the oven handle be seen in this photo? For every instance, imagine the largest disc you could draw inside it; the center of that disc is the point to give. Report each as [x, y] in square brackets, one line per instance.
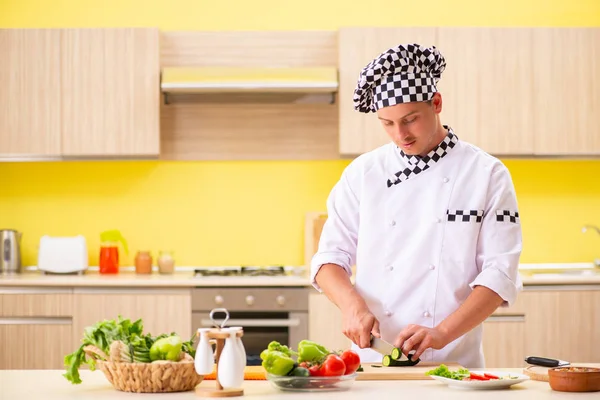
[256, 322]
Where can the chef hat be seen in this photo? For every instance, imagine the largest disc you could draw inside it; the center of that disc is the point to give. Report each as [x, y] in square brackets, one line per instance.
[402, 74]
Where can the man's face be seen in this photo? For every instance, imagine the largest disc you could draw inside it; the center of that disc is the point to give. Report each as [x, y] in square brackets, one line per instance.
[414, 127]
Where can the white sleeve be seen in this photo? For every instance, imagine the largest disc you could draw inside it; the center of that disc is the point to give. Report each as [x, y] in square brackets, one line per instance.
[339, 237]
[500, 241]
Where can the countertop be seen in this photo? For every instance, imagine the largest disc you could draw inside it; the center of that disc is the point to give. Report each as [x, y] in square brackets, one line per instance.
[50, 385]
[531, 275]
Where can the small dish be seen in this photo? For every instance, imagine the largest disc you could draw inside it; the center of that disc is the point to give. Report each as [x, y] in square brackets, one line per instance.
[312, 383]
[574, 379]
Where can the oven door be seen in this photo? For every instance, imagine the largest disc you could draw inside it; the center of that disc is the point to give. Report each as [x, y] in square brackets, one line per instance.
[261, 328]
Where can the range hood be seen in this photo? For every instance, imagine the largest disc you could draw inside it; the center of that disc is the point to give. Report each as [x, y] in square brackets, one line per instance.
[318, 84]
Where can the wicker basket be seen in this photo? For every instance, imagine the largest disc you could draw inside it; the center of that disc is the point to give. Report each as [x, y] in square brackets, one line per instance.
[146, 378]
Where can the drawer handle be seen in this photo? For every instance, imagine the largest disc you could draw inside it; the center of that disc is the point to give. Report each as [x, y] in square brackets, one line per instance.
[505, 318]
[250, 300]
[257, 322]
[35, 321]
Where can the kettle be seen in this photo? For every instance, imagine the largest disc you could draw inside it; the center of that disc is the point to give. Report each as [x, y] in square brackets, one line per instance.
[10, 251]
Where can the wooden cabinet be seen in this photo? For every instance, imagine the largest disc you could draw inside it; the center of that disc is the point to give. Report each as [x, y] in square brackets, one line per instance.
[563, 323]
[162, 310]
[80, 92]
[325, 323]
[510, 91]
[110, 92]
[30, 118]
[35, 327]
[486, 88]
[504, 341]
[566, 83]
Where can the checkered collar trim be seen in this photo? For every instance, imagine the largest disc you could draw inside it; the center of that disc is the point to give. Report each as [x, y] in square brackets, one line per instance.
[418, 164]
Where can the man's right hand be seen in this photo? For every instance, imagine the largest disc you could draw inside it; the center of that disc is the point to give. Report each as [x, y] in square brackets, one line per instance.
[359, 324]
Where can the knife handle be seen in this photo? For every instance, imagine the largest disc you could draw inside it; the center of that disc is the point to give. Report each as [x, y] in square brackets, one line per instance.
[544, 362]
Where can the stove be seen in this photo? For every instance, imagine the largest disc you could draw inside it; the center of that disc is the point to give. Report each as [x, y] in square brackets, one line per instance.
[244, 270]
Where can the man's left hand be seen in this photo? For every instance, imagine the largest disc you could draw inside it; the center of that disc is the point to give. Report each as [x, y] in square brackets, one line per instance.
[420, 338]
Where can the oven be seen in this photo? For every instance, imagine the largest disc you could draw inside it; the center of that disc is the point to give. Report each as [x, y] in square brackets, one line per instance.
[265, 314]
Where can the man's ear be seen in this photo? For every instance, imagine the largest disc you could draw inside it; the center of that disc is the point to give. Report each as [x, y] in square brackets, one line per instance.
[436, 102]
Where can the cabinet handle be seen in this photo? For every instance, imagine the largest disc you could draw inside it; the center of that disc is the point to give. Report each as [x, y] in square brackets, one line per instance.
[250, 300]
[219, 300]
[34, 290]
[280, 300]
[35, 321]
[256, 322]
[505, 318]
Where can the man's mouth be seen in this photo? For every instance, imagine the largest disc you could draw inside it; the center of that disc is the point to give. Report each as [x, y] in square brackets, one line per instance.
[408, 145]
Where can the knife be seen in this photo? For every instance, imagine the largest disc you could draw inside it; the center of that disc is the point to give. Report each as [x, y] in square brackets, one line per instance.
[546, 362]
[395, 356]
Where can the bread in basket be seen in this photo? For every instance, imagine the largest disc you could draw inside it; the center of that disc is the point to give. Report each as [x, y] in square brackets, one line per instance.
[156, 377]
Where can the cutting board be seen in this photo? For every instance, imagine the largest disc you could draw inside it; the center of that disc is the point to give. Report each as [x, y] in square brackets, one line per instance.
[538, 373]
[373, 373]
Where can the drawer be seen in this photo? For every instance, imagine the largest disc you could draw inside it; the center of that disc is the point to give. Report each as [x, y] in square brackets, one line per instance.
[36, 302]
[34, 343]
[250, 299]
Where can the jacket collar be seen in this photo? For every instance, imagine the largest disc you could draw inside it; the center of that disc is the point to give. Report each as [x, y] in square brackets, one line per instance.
[418, 164]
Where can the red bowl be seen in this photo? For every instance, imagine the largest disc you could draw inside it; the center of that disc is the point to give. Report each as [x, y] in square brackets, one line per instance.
[574, 379]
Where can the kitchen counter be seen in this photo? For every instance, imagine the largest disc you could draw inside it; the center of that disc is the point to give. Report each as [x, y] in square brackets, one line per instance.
[531, 274]
[50, 385]
[130, 279]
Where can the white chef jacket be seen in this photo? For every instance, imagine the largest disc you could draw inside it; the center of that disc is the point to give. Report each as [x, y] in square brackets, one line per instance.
[422, 233]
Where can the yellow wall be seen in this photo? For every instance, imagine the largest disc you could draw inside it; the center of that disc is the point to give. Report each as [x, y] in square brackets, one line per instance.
[226, 213]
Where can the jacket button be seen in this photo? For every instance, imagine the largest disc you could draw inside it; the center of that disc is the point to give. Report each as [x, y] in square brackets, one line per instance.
[446, 180]
[388, 313]
[438, 220]
[426, 314]
[392, 222]
[390, 268]
[432, 267]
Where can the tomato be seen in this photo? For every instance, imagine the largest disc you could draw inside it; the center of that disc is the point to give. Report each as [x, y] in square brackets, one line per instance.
[316, 370]
[351, 360]
[333, 365]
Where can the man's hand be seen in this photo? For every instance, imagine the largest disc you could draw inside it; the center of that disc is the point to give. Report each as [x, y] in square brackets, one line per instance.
[420, 338]
[359, 323]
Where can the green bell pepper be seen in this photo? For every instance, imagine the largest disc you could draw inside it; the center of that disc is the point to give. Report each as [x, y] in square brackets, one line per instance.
[310, 351]
[276, 346]
[168, 348]
[277, 363]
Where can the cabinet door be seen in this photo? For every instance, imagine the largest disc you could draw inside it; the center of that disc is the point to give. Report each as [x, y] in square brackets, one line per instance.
[110, 92]
[504, 341]
[566, 83]
[361, 132]
[162, 310]
[563, 324]
[325, 323]
[486, 87]
[30, 96]
[34, 343]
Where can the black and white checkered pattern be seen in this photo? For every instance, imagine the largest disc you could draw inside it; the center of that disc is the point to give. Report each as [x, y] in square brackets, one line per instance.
[419, 164]
[402, 74]
[507, 216]
[465, 215]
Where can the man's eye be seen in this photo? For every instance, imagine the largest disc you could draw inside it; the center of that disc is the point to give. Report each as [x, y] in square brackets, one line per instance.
[410, 121]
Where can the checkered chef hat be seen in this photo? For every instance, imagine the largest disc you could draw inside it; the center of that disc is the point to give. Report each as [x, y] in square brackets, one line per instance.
[402, 74]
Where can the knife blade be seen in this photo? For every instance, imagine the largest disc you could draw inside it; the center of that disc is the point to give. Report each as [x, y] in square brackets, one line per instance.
[546, 362]
[381, 346]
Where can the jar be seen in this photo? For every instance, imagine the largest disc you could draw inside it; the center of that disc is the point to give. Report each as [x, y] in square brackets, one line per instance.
[143, 262]
[108, 261]
[166, 263]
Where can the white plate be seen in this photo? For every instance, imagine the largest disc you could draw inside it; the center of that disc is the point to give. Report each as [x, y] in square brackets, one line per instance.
[484, 385]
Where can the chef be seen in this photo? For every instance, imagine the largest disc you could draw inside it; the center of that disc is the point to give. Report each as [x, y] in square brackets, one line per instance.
[430, 221]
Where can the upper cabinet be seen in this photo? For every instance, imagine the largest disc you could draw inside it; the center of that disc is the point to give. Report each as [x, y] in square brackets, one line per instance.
[566, 85]
[110, 92]
[80, 92]
[510, 91]
[30, 120]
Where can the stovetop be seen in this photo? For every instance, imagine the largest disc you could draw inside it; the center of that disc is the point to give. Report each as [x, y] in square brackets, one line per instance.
[244, 270]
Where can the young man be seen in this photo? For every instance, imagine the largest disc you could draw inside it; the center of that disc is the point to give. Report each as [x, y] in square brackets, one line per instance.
[431, 223]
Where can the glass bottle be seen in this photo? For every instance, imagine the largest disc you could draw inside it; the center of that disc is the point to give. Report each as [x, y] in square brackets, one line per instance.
[166, 263]
[143, 262]
[108, 260]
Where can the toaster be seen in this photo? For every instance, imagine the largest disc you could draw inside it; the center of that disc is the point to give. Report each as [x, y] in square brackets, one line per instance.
[62, 255]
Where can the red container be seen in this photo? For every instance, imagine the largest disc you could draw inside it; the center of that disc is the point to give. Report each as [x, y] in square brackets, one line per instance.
[109, 259]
